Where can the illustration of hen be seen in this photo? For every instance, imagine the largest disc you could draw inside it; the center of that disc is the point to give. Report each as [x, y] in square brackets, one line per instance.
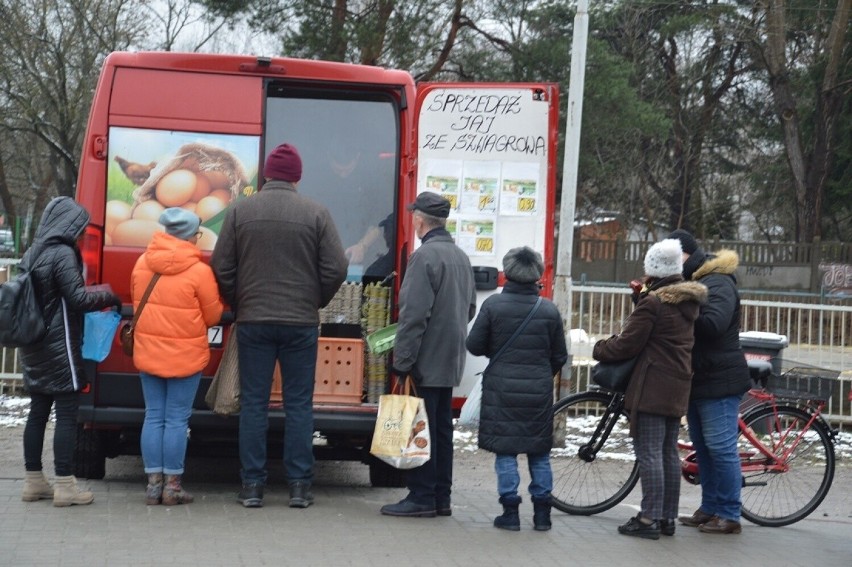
[137, 173]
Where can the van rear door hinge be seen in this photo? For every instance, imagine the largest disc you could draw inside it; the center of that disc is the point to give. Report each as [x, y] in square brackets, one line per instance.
[99, 147]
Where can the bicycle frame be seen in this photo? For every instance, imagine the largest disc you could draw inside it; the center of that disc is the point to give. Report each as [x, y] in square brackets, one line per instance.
[768, 460]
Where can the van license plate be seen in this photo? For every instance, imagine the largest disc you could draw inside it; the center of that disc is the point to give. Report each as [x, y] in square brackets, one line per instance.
[214, 336]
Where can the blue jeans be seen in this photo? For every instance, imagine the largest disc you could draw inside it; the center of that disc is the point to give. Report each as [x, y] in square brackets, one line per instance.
[431, 483]
[168, 405]
[713, 430]
[295, 349]
[508, 479]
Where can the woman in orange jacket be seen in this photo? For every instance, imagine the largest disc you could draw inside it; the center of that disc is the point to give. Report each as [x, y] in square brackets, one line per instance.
[170, 346]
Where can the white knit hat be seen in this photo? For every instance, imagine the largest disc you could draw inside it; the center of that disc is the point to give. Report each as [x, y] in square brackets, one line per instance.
[664, 259]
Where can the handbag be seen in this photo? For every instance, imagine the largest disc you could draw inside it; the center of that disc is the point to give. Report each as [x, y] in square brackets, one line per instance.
[613, 376]
[98, 331]
[401, 437]
[125, 335]
[469, 414]
[223, 396]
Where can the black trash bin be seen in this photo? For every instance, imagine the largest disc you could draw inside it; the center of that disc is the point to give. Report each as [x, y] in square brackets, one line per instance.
[764, 346]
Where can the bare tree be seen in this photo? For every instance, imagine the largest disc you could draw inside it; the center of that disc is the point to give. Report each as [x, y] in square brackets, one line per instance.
[810, 160]
[52, 51]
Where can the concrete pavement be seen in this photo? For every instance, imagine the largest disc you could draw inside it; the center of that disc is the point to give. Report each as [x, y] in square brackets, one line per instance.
[344, 526]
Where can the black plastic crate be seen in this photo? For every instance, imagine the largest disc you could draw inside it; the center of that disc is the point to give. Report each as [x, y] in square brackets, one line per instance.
[805, 384]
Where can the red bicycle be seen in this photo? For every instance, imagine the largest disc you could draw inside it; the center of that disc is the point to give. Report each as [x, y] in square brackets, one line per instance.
[786, 448]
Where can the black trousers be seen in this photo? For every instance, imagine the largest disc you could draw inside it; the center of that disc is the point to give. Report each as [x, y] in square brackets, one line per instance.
[64, 438]
[433, 481]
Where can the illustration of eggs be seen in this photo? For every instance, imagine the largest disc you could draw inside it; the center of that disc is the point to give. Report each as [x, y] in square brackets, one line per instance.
[148, 210]
[116, 213]
[135, 232]
[208, 207]
[176, 187]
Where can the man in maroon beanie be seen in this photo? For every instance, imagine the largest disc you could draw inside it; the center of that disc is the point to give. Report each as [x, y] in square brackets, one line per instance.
[278, 260]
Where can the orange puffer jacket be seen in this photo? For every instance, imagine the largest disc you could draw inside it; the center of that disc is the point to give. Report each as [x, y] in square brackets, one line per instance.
[170, 340]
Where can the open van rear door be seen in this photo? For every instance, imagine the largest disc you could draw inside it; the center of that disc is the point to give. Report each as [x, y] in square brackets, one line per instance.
[490, 149]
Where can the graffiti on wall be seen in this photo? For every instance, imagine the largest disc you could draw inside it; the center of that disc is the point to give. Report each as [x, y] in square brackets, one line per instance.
[837, 279]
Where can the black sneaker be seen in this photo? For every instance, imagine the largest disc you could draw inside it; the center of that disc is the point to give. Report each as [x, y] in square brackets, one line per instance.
[251, 495]
[406, 507]
[443, 507]
[301, 495]
[636, 528]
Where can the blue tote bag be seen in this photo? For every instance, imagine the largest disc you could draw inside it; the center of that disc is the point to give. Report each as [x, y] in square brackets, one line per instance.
[98, 331]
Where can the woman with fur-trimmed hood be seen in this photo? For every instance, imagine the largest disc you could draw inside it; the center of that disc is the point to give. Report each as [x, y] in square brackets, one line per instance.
[659, 333]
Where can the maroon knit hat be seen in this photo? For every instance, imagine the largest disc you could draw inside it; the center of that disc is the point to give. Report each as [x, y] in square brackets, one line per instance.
[283, 164]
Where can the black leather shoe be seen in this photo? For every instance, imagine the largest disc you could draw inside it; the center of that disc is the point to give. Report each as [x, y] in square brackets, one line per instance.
[636, 528]
[443, 507]
[251, 495]
[407, 508]
[301, 495]
[667, 527]
[696, 519]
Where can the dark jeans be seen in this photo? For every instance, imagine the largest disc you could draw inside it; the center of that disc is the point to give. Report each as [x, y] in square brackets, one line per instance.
[295, 348]
[64, 437]
[433, 481]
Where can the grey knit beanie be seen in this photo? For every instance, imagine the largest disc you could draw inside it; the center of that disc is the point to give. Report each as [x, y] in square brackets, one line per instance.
[523, 265]
[180, 223]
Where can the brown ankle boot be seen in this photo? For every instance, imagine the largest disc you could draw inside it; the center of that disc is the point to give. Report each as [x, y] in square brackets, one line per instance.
[36, 487]
[173, 492]
[154, 490]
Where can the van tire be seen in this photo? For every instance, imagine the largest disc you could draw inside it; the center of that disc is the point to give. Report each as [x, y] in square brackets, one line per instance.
[89, 454]
[382, 475]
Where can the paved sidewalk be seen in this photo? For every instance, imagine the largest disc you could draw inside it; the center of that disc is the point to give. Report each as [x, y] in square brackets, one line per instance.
[344, 527]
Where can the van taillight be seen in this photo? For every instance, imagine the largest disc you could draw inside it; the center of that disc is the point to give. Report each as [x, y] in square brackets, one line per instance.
[91, 247]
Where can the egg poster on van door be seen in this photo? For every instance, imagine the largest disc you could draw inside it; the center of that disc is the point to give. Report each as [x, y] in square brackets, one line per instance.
[151, 170]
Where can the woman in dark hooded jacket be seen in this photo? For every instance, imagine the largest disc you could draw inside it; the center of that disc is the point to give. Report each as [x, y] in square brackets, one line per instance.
[517, 387]
[53, 367]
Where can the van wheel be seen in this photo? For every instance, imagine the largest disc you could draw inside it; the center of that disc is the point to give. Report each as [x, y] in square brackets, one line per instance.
[89, 454]
[382, 475]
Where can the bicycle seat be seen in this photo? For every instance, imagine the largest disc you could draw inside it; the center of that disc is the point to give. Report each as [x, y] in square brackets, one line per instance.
[760, 371]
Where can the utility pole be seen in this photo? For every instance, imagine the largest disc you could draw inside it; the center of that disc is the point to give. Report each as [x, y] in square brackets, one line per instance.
[570, 165]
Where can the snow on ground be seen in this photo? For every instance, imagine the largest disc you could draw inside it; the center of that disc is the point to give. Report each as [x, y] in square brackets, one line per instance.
[13, 413]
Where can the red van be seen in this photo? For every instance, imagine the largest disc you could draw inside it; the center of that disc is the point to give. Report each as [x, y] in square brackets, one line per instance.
[192, 130]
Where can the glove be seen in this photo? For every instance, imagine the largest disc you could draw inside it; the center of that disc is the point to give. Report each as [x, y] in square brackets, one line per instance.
[116, 302]
[400, 373]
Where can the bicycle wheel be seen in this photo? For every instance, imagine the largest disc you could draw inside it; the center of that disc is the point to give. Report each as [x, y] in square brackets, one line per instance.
[587, 480]
[781, 497]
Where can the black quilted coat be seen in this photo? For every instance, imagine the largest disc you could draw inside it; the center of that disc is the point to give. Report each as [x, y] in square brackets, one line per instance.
[55, 364]
[517, 390]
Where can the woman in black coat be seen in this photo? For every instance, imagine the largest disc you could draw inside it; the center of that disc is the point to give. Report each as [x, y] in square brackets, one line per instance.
[517, 387]
[53, 367]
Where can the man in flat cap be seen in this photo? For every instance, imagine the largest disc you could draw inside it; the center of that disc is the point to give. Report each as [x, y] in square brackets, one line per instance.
[437, 300]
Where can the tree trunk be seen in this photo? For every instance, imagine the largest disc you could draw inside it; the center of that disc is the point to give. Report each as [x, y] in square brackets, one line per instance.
[808, 172]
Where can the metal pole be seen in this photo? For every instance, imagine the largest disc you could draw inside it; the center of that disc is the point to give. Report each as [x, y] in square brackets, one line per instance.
[565, 245]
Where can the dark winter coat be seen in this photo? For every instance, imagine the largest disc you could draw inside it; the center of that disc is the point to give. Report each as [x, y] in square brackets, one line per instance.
[437, 299]
[55, 365]
[717, 360]
[517, 388]
[659, 333]
[278, 258]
